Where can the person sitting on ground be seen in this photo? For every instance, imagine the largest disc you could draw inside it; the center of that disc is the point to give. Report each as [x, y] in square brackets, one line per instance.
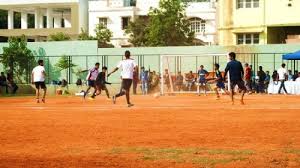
[3, 82]
[11, 83]
[179, 81]
[298, 79]
[189, 78]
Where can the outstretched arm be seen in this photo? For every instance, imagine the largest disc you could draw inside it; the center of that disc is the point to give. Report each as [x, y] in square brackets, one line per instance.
[112, 71]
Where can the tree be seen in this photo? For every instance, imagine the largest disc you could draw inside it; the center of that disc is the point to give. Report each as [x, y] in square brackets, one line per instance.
[165, 26]
[59, 37]
[103, 35]
[137, 31]
[18, 58]
[84, 35]
[169, 25]
[65, 63]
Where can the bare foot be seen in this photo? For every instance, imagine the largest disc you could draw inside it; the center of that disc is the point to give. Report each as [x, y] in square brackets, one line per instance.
[232, 103]
[242, 102]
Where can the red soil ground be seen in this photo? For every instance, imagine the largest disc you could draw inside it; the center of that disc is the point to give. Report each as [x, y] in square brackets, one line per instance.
[171, 131]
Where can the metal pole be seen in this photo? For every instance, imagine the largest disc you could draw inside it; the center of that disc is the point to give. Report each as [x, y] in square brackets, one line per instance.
[274, 62]
[161, 76]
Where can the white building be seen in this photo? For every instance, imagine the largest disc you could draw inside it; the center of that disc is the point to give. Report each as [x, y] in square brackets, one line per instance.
[116, 14]
[46, 17]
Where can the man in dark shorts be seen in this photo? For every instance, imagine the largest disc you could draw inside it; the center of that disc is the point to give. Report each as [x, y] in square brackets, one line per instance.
[91, 78]
[127, 65]
[236, 74]
[219, 81]
[202, 82]
[101, 82]
[38, 78]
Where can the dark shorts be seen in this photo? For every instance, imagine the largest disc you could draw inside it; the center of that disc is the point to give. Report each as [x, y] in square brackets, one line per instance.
[39, 85]
[91, 83]
[220, 85]
[100, 86]
[240, 84]
[126, 84]
[202, 82]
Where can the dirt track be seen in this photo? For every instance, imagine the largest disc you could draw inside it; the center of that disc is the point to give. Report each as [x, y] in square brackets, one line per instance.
[182, 131]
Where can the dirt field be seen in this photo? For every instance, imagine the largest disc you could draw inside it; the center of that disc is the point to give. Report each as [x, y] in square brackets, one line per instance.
[181, 131]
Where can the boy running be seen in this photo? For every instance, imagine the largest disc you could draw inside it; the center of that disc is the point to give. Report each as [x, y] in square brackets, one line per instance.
[91, 78]
[128, 66]
[219, 81]
[100, 83]
[38, 78]
[236, 74]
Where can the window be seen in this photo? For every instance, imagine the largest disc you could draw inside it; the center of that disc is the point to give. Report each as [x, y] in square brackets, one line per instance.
[103, 22]
[255, 3]
[247, 4]
[128, 3]
[125, 22]
[247, 38]
[197, 25]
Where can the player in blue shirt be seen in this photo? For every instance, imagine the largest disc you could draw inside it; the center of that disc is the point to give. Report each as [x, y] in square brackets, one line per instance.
[202, 74]
[236, 74]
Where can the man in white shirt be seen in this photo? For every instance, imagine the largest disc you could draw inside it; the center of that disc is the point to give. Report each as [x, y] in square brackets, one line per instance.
[38, 78]
[128, 66]
[282, 76]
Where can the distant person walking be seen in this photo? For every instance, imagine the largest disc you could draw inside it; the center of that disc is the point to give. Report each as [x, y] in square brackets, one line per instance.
[282, 76]
[38, 79]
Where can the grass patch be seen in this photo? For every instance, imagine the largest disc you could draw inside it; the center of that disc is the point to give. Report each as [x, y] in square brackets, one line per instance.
[292, 151]
[206, 157]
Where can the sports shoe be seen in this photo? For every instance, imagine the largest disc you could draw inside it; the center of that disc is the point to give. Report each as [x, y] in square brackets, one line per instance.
[130, 105]
[114, 99]
[92, 98]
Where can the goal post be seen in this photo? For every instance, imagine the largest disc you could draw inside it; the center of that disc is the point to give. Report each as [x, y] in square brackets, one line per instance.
[171, 66]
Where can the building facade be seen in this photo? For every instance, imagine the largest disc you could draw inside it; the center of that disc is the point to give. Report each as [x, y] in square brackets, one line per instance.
[116, 15]
[250, 22]
[37, 19]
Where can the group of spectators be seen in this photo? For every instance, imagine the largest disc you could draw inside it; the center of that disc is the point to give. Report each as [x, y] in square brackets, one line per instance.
[148, 80]
[8, 83]
[255, 82]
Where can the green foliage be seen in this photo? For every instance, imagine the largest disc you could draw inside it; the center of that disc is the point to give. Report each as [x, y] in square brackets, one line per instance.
[137, 31]
[64, 63]
[17, 57]
[84, 35]
[59, 37]
[167, 26]
[103, 35]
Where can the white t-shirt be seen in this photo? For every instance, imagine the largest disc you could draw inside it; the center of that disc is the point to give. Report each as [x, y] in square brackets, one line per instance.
[282, 73]
[127, 66]
[38, 74]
